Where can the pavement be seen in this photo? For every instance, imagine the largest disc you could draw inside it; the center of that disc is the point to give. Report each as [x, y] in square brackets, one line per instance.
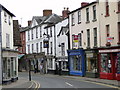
[25, 83]
[22, 83]
[97, 80]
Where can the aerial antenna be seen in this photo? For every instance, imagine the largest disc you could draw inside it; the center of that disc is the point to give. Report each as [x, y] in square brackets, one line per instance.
[21, 21]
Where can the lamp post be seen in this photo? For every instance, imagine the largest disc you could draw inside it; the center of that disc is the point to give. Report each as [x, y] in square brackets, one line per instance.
[29, 70]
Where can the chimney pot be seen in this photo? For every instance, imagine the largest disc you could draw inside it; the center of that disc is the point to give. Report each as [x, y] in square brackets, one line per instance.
[29, 22]
[84, 4]
[47, 12]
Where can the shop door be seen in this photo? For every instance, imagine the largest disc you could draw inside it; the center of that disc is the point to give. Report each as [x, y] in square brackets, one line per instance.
[107, 66]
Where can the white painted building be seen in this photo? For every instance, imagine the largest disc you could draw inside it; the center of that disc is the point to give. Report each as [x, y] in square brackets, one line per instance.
[9, 55]
[62, 44]
[39, 39]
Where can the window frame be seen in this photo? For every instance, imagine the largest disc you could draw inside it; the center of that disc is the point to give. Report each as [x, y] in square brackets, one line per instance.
[88, 37]
[72, 19]
[79, 16]
[87, 15]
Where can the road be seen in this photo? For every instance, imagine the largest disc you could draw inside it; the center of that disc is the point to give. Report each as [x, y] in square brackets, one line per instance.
[56, 81]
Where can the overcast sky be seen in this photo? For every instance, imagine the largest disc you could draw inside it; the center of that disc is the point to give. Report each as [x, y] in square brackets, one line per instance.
[25, 9]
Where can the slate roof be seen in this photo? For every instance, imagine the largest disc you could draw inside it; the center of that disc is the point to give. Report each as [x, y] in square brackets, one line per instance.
[2, 7]
[51, 19]
[65, 29]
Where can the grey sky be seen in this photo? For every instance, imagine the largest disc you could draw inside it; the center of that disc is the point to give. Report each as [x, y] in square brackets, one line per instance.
[25, 9]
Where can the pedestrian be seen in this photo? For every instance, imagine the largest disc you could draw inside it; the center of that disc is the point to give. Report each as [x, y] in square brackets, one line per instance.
[35, 69]
[41, 69]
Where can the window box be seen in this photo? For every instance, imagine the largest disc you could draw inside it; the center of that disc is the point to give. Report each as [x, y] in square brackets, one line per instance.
[87, 22]
[94, 20]
[107, 15]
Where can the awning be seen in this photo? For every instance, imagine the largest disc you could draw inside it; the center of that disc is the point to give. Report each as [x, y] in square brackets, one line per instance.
[20, 56]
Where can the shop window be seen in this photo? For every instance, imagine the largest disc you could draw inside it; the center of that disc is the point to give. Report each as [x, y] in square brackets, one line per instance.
[77, 62]
[8, 73]
[65, 65]
[91, 62]
[106, 63]
[50, 63]
[118, 63]
[4, 68]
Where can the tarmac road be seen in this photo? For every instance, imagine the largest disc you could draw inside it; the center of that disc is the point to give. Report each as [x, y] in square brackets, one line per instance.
[56, 81]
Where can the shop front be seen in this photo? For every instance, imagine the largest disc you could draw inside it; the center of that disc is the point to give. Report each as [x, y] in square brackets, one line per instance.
[92, 63]
[109, 59]
[62, 65]
[9, 66]
[76, 61]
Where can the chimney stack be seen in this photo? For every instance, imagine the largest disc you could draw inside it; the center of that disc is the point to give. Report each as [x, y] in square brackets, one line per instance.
[29, 22]
[47, 12]
[65, 12]
[84, 4]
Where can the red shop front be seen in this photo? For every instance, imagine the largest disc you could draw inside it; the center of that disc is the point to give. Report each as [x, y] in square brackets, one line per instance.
[109, 63]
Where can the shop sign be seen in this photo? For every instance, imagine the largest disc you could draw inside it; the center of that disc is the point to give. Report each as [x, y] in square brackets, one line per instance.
[111, 50]
[110, 39]
[75, 41]
[75, 38]
[90, 55]
[46, 44]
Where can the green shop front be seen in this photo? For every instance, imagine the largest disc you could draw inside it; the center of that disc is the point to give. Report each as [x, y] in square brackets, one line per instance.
[92, 69]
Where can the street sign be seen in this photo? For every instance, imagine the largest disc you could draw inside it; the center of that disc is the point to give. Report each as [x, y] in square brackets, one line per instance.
[110, 39]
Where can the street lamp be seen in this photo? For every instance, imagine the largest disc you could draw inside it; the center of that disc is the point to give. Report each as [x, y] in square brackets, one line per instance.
[29, 70]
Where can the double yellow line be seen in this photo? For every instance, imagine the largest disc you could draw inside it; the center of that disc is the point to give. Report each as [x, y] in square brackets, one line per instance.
[37, 85]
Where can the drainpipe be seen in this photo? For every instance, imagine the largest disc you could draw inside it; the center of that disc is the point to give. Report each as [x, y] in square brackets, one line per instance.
[55, 42]
[1, 73]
